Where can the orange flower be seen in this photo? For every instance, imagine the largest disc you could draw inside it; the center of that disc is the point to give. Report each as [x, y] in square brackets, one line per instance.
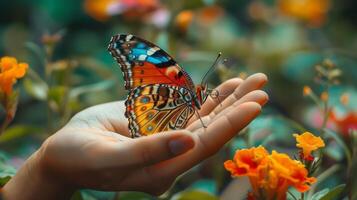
[184, 19]
[209, 14]
[308, 143]
[324, 96]
[312, 11]
[10, 72]
[258, 10]
[99, 9]
[204, 16]
[291, 172]
[102, 10]
[345, 99]
[281, 173]
[306, 91]
[139, 8]
[246, 162]
[270, 175]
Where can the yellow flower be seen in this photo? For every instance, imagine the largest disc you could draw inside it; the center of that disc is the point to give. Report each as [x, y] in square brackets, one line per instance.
[312, 11]
[10, 72]
[308, 143]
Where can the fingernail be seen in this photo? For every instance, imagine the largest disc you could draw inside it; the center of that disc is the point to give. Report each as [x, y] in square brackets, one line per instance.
[180, 144]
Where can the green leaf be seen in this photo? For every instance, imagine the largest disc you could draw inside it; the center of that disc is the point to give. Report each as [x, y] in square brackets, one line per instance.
[87, 196]
[18, 131]
[35, 90]
[100, 86]
[95, 194]
[322, 177]
[327, 194]
[333, 193]
[35, 86]
[135, 195]
[193, 195]
[37, 51]
[6, 172]
[318, 195]
[56, 96]
[77, 196]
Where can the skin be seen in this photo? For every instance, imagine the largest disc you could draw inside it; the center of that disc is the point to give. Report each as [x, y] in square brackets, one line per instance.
[94, 150]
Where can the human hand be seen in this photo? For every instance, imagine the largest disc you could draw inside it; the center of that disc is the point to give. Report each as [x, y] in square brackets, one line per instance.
[94, 150]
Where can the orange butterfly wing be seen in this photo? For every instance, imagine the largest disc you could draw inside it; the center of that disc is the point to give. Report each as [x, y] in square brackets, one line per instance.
[145, 63]
[156, 108]
[160, 91]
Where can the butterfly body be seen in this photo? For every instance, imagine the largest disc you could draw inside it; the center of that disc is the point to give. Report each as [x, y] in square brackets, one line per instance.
[162, 95]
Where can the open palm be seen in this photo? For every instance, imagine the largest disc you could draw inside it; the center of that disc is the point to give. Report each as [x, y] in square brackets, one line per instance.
[94, 150]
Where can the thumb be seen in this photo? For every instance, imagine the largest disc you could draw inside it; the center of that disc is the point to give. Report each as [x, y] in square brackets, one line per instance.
[149, 150]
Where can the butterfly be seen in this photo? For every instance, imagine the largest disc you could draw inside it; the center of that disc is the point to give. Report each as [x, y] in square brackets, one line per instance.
[162, 96]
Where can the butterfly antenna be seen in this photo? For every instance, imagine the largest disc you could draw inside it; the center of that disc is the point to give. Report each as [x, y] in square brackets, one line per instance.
[211, 68]
[199, 117]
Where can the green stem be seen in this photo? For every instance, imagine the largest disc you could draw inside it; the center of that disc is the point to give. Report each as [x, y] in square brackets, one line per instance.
[302, 196]
[48, 70]
[316, 100]
[9, 113]
[326, 112]
[324, 175]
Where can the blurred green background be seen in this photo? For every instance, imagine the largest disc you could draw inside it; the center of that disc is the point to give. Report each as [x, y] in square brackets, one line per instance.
[65, 44]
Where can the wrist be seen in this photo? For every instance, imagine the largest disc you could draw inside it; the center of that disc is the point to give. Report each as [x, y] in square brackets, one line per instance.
[35, 181]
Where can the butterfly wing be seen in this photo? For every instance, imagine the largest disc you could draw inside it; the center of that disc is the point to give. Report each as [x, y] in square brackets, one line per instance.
[160, 91]
[157, 107]
[144, 63]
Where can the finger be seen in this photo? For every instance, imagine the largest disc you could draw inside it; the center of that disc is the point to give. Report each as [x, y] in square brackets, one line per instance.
[253, 82]
[225, 89]
[152, 149]
[210, 140]
[257, 96]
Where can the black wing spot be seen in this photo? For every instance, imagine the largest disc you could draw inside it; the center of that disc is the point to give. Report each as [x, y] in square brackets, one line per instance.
[178, 75]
